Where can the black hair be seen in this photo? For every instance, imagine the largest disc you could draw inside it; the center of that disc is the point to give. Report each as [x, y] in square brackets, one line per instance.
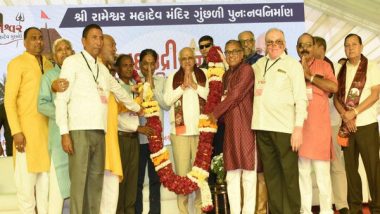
[351, 35]
[206, 38]
[27, 31]
[88, 28]
[320, 41]
[148, 52]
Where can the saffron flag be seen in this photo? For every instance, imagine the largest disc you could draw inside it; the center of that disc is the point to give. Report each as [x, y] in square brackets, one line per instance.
[43, 15]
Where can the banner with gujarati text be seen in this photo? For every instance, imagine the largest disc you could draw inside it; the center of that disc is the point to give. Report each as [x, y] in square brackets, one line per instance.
[162, 27]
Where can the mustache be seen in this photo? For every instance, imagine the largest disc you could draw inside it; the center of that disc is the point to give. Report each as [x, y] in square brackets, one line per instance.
[305, 52]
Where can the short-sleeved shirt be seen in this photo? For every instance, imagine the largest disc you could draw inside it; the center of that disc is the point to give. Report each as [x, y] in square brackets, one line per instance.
[373, 78]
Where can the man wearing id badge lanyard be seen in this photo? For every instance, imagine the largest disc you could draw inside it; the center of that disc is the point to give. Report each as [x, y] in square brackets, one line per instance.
[81, 113]
[315, 152]
[279, 111]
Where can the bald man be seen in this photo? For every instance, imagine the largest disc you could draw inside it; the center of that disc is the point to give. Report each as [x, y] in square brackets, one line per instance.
[113, 169]
[186, 92]
[280, 106]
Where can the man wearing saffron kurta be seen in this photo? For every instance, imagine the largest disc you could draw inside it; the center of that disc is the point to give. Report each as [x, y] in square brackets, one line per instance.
[29, 128]
[315, 152]
[113, 173]
[59, 185]
[239, 146]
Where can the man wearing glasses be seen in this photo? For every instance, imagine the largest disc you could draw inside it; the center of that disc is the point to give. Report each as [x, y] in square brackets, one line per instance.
[205, 43]
[247, 40]
[186, 92]
[239, 146]
[279, 113]
[315, 153]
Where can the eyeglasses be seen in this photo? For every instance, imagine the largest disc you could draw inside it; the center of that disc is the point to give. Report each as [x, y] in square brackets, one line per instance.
[201, 47]
[273, 43]
[233, 52]
[243, 41]
[304, 45]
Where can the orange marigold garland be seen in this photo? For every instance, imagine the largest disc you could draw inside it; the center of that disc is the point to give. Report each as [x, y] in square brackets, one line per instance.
[197, 177]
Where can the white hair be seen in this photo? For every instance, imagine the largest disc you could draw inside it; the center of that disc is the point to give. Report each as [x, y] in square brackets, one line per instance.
[56, 42]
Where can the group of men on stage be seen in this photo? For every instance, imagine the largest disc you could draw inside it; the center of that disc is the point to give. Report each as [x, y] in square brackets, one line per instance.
[78, 132]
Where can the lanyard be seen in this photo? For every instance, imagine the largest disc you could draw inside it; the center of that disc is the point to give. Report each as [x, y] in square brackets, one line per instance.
[97, 73]
[266, 64]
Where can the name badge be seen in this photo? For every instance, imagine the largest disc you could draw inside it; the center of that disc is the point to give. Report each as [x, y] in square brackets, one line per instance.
[102, 95]
[260, 87]
[309, 92]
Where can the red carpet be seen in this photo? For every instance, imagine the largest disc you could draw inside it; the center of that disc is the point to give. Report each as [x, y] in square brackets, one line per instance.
[365, 209]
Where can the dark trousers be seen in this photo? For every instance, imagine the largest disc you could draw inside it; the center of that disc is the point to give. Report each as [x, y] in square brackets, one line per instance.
[365, 141]
[129, 154]
[217, 144]
[7, 131]
[86, 169]
[280, 172]
[154, 183]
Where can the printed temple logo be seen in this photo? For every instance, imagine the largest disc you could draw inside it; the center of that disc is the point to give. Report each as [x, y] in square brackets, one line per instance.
[11, 32]
[20, 18]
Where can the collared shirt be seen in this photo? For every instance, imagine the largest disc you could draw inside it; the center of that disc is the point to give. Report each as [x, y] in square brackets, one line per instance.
[190, 104]
[282, 104]
[80, 107]
[204, 64]
[128, 121]
[158, 93]
[373, 79]
[334, 114]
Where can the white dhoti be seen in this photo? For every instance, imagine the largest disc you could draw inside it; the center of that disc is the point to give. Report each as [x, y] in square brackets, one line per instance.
[110, 193]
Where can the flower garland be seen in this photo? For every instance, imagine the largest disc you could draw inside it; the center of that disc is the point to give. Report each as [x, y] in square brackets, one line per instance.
[197, 177]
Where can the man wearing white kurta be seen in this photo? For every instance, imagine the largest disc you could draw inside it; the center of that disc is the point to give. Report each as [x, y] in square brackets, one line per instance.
[185, 93]
[81, 113]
